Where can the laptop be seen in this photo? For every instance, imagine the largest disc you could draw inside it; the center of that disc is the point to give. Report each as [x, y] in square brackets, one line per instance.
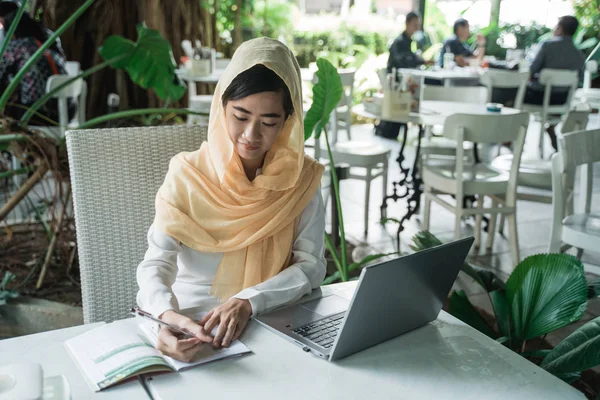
[391, 298]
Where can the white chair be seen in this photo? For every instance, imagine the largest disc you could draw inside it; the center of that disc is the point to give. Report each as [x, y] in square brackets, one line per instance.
[367, 161]
[591, 67]
[343, 111]
[579, 229]
[467, 179]
[552, 114]
[73, 68]
[442, 147]
[115, 174]
[587, 94]
[76, 90]
[535, 175]
[498, 79]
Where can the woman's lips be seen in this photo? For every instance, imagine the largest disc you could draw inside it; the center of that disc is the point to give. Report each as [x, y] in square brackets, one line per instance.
[248, 147]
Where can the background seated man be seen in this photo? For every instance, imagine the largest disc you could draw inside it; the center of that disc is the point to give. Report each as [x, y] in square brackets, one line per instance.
[457, 45]
[401, 56]
[558, 53]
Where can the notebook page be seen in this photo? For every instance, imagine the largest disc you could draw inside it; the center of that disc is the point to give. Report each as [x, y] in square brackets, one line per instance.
[113, 352]
[205, 355]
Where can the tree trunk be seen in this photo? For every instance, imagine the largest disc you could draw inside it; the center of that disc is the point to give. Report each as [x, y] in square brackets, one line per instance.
[213, 24]
[237, 25]
[175, 19]
[495, 12]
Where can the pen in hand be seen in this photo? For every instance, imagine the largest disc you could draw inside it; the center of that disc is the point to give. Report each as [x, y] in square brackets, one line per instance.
[185, 334]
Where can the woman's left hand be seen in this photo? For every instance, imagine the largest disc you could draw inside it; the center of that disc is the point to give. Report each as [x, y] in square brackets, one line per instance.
[231, 317]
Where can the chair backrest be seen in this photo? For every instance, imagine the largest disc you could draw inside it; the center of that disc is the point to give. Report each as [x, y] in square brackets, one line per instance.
[575, 121]
[559, 78]
[485, 128]
[577, 149]
[460, 94]
[489, 128]
[494, 78]
[73, 68]
[591, 67]
[115, 174]
[73, 90]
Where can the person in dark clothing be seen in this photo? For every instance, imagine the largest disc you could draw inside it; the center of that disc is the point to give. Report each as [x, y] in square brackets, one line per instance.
[28, 37]
[457, 45]
[558, 53]
[401, 56]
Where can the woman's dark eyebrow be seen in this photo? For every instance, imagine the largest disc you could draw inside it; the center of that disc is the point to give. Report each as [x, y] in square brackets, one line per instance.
[268, 115]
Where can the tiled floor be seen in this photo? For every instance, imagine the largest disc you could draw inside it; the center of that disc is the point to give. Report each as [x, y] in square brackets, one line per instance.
[533, 219]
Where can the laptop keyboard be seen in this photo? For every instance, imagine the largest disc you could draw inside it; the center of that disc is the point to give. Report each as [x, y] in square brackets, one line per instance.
[321, 332]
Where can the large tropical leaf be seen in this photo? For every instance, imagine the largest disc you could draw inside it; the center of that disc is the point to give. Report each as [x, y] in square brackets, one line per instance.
[577, 352]
[546, 292]
[502, 311]
[460, 306]
[149, 62]
[327, 93]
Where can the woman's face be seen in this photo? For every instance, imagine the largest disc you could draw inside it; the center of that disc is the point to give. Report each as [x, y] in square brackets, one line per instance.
[254, 123]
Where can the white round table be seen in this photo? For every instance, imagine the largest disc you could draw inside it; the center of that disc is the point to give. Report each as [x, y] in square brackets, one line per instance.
[447, 76]
[435, 112]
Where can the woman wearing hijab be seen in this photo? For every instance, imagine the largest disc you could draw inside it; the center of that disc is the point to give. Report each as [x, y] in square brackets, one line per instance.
[240, 219]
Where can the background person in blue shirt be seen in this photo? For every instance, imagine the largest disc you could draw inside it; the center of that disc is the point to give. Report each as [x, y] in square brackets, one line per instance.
[457, 45]
[558, 53]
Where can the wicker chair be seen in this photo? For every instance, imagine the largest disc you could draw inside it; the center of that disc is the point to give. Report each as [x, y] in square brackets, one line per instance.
[115, 174]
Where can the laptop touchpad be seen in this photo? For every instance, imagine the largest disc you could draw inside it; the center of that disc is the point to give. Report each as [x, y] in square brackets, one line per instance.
[327, 306]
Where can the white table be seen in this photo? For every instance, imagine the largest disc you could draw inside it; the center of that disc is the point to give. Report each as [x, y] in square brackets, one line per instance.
[435, 112]
[445, 359]
[47, 349]
[446, 75]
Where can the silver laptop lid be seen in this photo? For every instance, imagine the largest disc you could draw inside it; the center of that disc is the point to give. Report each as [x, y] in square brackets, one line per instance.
[399, 295]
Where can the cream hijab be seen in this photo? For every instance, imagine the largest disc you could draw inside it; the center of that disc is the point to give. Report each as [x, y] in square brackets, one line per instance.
[207, 202]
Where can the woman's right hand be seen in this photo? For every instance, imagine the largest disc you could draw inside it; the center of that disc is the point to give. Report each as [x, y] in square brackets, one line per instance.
[179, 348]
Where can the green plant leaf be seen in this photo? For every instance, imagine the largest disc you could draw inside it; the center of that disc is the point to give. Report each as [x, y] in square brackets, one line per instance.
[546, 292]
[4, 292]
[577, 352]
[114, 46]
[150, 63]
[502, 311]
[503, 340]
[423, 240]
[461, 308]
[327, 93]
[588, 43]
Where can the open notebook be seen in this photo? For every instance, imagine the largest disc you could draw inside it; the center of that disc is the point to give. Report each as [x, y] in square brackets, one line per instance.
[114, 352]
